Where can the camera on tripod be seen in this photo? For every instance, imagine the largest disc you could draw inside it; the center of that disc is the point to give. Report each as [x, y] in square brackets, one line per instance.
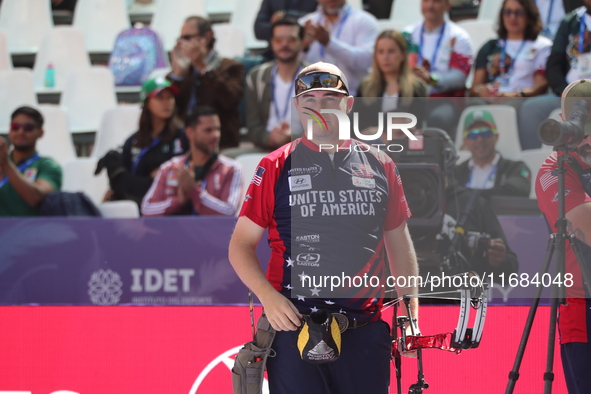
[570, 132]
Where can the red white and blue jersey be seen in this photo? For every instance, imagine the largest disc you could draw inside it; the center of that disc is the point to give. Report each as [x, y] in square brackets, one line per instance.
[575, 317]
[326, 218]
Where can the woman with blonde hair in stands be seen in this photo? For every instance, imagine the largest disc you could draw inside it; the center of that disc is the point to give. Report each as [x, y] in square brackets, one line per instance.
[391, 80]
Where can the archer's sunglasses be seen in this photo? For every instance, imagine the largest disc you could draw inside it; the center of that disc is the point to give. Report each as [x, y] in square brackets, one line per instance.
[324, 79]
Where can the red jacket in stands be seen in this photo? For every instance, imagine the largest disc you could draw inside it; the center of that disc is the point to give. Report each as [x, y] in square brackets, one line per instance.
[219, 193]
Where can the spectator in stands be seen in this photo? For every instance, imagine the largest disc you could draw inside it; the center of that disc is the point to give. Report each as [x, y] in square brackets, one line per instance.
[269, 91]
[514, 64]
[486, 169]
[340, 34]
[273, 10]
[391, 79]
[443, 53]
[568, 47]
[203, 77]
[562, 68]
[25, 177]
[552, 12]
[200, 182]
[159, 138]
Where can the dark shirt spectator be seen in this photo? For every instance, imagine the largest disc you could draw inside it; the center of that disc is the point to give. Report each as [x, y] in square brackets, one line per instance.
[25, 178]
[486, 169]
[205, 78]
[563, 62]
[274, 10]
[158, 139]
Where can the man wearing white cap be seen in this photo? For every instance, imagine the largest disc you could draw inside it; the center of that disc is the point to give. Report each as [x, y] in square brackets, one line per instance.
[332, 208]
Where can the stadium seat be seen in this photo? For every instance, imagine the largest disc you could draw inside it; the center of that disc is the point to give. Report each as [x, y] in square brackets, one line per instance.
[5, 61]
[56, 141]
[88, 93]
[229, 40]
[117, 124]
[249, 163]
[243, 18]
[16, 89]
[101, 21]
[25, 23]
[480, 32]
[534, 158]
[124, 209]
[160, 72]
[356, 4]
[489, 10]
[406, 12]
[79, 177]
[221, 7]
[505, 118]
[169, 16]
[63, 46]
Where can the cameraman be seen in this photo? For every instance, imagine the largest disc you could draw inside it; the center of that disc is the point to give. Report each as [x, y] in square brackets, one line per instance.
[491, 253]
[575, 316]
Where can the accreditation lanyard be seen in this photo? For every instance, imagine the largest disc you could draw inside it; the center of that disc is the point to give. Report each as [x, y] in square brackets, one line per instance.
[490, 177]
[21, 167]
[145, 150]
[275, 100]
[549, 11]
[339, 27]
[582, 34]
[437, 45]
[503, 54]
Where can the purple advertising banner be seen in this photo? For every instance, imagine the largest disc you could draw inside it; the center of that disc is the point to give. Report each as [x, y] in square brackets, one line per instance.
[91, 261]
[165, 261]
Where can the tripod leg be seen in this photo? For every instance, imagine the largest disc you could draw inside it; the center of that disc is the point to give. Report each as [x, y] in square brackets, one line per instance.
[549, 375]
[514, 374]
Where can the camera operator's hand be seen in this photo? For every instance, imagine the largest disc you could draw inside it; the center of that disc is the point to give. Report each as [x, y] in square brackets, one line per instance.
[496, 252]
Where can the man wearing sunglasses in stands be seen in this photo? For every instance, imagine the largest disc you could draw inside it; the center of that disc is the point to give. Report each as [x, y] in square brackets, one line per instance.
[203, 77]
[25, 177]
[486, 169]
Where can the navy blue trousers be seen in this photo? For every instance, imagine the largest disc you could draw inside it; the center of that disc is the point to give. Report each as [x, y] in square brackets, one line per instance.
[363, 366]
[576, 362]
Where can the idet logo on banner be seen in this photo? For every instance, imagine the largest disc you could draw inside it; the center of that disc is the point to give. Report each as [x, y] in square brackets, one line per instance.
[345, 126]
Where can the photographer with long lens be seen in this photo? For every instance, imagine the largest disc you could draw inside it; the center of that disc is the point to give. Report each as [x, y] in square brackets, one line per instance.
[575, 315]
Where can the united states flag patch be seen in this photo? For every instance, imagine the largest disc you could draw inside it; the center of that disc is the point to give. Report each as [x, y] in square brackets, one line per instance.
[361, 170]
[258, 176]
[548, 179]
